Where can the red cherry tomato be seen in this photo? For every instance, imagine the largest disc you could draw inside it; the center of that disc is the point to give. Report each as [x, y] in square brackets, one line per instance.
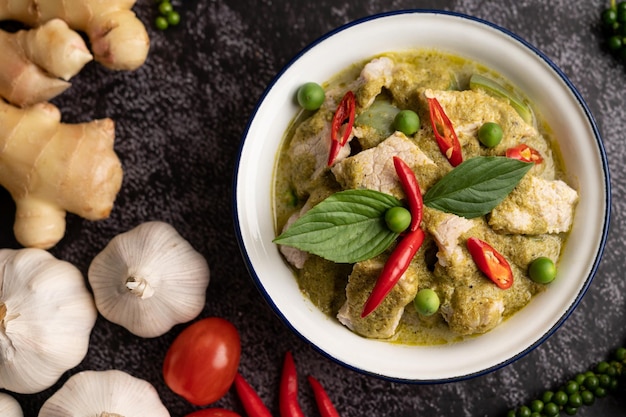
[202, 362]
[213, 412]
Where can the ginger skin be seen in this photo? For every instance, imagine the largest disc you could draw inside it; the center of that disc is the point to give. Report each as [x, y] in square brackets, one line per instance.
[37, 63]
[119, 40]
[51, 168]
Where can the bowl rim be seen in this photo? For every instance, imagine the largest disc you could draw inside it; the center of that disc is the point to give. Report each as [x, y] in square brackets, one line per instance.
[557, 71]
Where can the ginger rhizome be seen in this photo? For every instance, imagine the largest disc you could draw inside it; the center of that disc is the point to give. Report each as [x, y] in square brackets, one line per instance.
[37, 63]
[51, 168]
[118, 39]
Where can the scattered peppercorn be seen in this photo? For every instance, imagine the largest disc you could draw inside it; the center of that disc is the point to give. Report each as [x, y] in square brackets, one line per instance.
[613, 20]
[581, 390]
[167, 17]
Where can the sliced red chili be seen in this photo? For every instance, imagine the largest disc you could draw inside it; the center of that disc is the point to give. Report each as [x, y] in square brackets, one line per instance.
[490, 262]
[344, 115]
[412, 190]
[447, 140]
[250, 400]
[395, 266]
[288, 393]
[324, 404]
[524, 153]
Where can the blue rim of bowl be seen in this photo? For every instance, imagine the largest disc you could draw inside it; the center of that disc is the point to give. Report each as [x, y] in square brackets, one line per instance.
[581, 102]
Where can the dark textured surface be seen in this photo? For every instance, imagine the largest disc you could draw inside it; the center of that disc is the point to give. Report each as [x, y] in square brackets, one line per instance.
[180, 119]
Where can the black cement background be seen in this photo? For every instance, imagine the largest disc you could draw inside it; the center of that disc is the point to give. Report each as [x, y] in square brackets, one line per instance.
[179, 122]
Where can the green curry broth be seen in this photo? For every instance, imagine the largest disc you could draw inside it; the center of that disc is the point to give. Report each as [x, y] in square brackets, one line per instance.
[326, 287]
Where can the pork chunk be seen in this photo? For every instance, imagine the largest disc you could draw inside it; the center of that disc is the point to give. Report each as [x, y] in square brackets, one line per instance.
[383, 321]
[375, 75]
[447, 229]
[536, 206]
[473, 310]
[373, 169]
[309, 149]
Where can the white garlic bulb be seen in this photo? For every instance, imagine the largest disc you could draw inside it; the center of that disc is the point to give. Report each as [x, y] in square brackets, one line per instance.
[46, 317]
[9, 407]
[149, 279]
[109, 393]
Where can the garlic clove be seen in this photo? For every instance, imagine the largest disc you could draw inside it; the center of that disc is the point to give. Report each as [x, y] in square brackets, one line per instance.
[149, 279]
[104, 394]
[9, 407]
[46, 318]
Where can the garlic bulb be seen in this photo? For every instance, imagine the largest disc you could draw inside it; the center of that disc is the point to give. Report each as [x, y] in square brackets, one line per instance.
[9, 407]
[46, 317]
[149, 279]
[109, 393]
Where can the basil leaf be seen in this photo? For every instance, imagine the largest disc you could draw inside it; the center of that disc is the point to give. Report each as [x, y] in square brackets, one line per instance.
[346, 227]
[476, 186]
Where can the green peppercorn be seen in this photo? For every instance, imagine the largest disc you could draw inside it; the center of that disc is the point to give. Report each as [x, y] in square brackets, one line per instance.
[165, 7]
[592, 382]
[560, 398]
[587, 397]
[523, 411]
[551, 410]
[571, 387]
[547, 396]
[161, 23]
[537, 406]
[173, 18]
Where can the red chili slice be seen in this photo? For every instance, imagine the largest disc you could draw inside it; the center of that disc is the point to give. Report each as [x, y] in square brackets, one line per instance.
[344, 115]
[447, 140]
[490, 262]
[412, 190]
[524, 153]
[395, 266]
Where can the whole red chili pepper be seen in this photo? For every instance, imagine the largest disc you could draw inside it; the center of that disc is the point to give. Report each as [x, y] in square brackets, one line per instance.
[524, 153]
[412, 190]
[447, 140]
[490, 262]
[250, 400]
[343, 115]
[288, 393]
[395, 266]
[324, 405]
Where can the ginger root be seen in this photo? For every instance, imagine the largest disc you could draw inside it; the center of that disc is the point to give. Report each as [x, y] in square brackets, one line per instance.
[37, 63]
[51, 168]
[119, 40]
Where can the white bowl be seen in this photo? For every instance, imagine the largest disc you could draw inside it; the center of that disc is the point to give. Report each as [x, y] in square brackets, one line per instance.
[556, 99]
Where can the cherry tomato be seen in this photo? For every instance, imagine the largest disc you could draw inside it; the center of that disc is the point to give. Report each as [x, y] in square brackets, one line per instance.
[213, 412]
[202, 362]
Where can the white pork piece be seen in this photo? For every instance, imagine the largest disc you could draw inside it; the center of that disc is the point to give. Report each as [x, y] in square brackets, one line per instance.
[373, 169]
[309, 149]
[382, 322]
[536, 206]
[447, 229]
[375, 75]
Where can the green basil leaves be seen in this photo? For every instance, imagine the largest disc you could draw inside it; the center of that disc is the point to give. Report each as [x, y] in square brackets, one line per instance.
[349, 226]
[476, 186]
[346, 227]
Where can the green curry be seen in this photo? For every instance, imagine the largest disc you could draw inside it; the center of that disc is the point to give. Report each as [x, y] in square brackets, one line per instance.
[531, 221]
